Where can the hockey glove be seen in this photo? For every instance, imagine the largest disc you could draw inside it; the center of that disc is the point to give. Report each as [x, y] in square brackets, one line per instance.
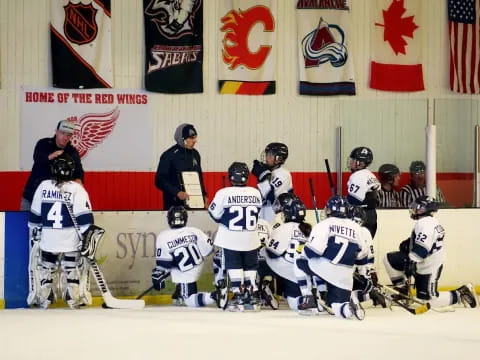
[405, 246]
[36, 235]
[410, 268]
[159, 277]
[91, 239]
[261, 171]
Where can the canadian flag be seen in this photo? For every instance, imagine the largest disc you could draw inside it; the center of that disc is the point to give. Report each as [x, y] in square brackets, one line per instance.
[397, 46]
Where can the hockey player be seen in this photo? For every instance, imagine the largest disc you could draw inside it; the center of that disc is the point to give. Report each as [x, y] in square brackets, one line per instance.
[388, 197]
[333, 248]
[421, 256]
[273, 179]
[363, 186]
[236, 210]
[56, 240]
[181, 252]
[285, 245]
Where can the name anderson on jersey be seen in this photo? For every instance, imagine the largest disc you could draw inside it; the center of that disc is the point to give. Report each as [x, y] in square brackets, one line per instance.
[342, 230]
[184, 240]
[244, 199]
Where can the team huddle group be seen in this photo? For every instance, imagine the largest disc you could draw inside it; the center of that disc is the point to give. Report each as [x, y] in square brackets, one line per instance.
[327, 268]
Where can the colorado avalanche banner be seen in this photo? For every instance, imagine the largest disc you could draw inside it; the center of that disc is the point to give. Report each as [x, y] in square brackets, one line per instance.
[326, 66]
[397, 46]
[246, 58]
[113, 128]
[174, 46]
[80, 33]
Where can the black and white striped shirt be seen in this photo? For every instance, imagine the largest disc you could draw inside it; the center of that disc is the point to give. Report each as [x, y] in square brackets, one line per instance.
[410, 192]
[388, 199]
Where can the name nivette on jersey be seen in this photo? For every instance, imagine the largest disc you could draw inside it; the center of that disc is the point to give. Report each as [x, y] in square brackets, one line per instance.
[243, 199]
[182, 241]
[342, 230]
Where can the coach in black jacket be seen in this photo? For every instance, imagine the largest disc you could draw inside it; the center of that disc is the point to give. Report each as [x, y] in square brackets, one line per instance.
[180, 157]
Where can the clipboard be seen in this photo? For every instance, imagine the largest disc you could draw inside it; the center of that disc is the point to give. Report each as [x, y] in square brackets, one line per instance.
[192, 186]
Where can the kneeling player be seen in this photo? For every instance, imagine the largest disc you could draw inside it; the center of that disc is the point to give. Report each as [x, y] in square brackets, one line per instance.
[421, 256]
[181, 252]
[55, 240]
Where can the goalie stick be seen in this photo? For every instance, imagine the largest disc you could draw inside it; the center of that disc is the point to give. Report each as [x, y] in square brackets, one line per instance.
[110, 301]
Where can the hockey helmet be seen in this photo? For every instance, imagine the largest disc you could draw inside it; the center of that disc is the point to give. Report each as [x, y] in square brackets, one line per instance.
[358, 214]
[177, 217]
[423, 206]
[238, 173]
[294, 211]
[62, 168]
[337, 206]
[362, 154]
[417, 167]
[282, 200]
[387, 172]
[279, 152]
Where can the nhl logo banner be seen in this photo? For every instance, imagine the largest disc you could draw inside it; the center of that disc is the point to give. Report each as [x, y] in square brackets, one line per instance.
[80, 33]
[174, 46]
[397, 46]
[246, 58]
[325, 61]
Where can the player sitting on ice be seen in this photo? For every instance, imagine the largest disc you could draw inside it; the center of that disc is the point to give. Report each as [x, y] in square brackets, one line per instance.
[181, 252]
[236, 210]
[55, 239]
[422, 255]
[285, 245]
[273, 179]
[331, 252]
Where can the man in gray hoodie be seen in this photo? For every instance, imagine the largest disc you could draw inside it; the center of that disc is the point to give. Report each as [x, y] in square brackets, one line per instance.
[180, 157]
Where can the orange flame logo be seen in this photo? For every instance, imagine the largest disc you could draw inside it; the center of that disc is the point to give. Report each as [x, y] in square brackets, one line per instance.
[237, 26]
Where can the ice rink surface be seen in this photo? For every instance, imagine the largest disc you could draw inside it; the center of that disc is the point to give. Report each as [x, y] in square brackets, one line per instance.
[173, 333]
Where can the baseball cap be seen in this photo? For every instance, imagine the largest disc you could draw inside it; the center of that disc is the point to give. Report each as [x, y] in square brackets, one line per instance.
[66, 126]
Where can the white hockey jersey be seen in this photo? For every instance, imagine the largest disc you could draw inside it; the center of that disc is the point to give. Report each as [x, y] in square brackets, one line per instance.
[236, 210]
[49, 211]
[283, 248]
[280, 182]
[360, 183]
[183, 252]
[264, 230]
[427, 247]
[334, 246]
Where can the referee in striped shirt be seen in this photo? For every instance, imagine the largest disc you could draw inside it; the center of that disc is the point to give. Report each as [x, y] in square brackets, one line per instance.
[417, 186]
[389, 175]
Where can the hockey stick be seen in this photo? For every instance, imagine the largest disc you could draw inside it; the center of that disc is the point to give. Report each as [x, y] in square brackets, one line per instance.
[330, 179]
[110, 301]
[393, 296]
[314, 200]
[145, 292]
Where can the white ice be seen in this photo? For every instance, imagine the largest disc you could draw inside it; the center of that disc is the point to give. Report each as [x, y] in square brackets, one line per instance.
[174, 333]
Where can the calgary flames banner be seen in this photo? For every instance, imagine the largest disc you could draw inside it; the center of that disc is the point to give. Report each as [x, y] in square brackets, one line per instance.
[173, 45]
[246, 63]
[80, 34]
[113, 128]
[325, 61]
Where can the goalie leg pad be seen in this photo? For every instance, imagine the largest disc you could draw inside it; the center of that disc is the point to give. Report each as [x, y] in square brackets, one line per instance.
[70, 279]
[46, 273]
[33, 274]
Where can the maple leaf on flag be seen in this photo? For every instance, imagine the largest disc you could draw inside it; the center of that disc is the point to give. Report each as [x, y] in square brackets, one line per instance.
[396, 26]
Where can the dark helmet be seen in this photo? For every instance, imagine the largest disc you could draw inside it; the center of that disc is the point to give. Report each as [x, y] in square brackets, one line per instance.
[358, 214]
[294, 210]
[423, 206]
[177, 217]
[337, 206]
[417, 167]
[238, 173]
[63, 167]
[362, 154]
[387, 172]
[278, 150]
[282, 200]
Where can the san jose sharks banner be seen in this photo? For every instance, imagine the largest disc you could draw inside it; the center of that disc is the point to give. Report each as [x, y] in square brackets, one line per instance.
[246, 56]
[325, 60]
[80, 33]
[113, 129]
[174, 46]
[397, 46]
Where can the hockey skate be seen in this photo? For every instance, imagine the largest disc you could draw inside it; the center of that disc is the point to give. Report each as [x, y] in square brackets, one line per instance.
[221, 294]
[236, 304]
[468, 296]
[177, 299]
[267, 296]
[251, 300]
[51, 299]
[377, 298]
[321, 303]
[356, 308]
[307, 305]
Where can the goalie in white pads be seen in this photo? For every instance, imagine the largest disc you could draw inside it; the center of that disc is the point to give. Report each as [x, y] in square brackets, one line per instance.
[181, 252]
[56, 244]
[422, 255]
[236, 210]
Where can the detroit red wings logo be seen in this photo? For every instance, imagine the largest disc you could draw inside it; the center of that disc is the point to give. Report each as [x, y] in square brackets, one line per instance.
[237, 26]
[92, 129]
[80, 26]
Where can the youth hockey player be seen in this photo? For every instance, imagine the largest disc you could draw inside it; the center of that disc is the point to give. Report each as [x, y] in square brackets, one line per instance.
[285, 244]
[422, 255]
[55, 240]
[273, 179]
[236, 210]
[180, 253]
[362, 185]
[333, 248]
